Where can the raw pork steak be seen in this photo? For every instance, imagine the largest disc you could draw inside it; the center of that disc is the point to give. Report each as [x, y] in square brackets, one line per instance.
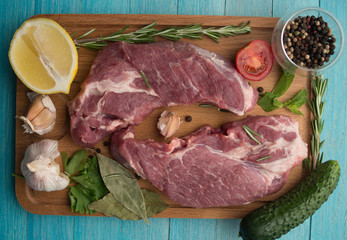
[115, 94]
[217, 167]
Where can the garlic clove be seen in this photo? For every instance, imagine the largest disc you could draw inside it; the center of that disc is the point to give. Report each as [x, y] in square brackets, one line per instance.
[44, 120]
[40, 170]
[41, 115]
[168, 123]
[36, 108]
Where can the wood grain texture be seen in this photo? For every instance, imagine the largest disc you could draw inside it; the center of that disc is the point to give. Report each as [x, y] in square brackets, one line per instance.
[57, 202]
[328, 223]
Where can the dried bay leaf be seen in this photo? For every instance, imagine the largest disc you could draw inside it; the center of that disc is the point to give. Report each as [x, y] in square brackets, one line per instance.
[154, 204]
[109, 206]
[123, 186]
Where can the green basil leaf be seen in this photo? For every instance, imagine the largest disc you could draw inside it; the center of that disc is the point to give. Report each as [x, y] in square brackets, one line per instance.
[298, 100]
[123, 186]
[266, 102]
[283, 84]
[295, 110]
[277, 103]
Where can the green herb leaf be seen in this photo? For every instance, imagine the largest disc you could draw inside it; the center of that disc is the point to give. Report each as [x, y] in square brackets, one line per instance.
[74, 164]
[317, 105]
[91, 179]
[80, 197]
[263, 158]
[297, 101]
[145, 79]
[64, 158]
[111, 207]
[283, 84]
[85, 174]
[266, 102]
[148, 33]
[124, 188]
[250, 133]
[277, 103]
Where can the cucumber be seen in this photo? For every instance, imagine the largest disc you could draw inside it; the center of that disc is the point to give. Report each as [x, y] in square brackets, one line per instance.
[290, 210]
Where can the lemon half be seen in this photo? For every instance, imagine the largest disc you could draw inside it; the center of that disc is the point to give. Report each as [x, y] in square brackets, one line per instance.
[43, 56]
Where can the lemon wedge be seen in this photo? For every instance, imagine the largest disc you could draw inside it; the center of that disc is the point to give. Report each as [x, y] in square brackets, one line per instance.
[44, 56]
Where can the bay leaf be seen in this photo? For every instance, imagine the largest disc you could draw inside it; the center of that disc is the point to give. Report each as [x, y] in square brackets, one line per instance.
[122, 185]
[154, 204]
[109, 206]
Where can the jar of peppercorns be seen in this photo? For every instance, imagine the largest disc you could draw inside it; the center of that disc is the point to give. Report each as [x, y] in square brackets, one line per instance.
[307, 41]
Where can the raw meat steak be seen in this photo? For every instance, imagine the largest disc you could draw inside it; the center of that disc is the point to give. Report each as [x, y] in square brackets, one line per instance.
[115, 95]
[217, 167]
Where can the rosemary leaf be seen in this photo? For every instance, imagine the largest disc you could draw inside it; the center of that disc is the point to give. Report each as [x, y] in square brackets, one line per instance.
[145, 79]
[206, 105]
[263, 158]
[255, 133]
[86, 34]
[250, 133]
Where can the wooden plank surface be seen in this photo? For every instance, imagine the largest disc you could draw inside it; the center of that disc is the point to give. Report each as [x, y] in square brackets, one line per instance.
[57, 203]
[328, 223]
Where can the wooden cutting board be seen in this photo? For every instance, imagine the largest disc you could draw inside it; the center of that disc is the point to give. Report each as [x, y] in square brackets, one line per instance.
[57, 203]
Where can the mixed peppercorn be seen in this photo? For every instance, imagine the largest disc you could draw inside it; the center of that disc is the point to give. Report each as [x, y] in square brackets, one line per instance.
[308, 41]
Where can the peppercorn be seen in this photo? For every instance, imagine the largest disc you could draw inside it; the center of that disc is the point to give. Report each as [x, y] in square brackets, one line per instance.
[137, 177]
[188, 118]
[308, 41]
[260, 89]
[98, 150]
[106, 143]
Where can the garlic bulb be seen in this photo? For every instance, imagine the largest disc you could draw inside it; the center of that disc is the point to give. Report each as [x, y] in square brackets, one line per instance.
[40, 170]
[168, 123]
[41, 115]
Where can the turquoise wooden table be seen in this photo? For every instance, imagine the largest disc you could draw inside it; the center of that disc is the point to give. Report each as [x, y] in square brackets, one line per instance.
[329, 222]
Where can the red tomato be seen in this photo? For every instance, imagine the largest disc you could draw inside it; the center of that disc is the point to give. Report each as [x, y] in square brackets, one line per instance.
[255, 60]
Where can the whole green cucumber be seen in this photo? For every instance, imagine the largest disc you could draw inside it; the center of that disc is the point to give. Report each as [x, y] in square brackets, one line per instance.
[290, 210]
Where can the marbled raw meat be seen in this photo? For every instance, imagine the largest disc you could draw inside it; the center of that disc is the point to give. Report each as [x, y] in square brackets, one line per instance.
[115, 95]
[217, 167]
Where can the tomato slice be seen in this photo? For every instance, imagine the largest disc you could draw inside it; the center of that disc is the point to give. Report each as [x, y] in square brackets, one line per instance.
[255, 60]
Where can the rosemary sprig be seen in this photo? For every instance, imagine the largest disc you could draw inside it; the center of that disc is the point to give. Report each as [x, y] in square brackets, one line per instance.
[148, 33]
[250, 133]
[317, 105]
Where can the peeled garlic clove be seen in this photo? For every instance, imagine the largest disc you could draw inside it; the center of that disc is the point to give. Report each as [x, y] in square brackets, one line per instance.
[168, 123]
[41, 115]
[40, 170]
